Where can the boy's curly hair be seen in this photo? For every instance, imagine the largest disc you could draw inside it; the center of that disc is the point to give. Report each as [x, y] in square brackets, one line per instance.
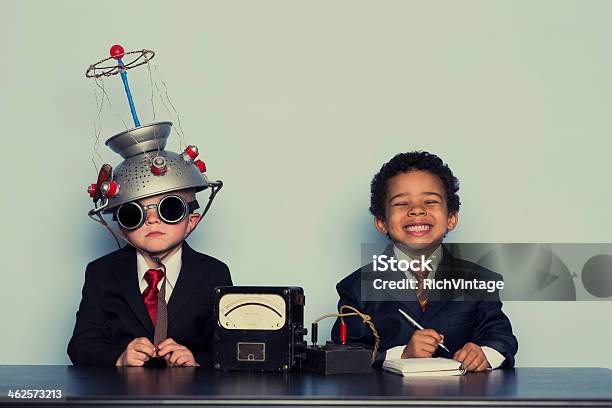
[404, 162]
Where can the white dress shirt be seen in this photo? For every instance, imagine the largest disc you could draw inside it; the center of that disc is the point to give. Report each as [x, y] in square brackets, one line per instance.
[173, 269]
[494, 357]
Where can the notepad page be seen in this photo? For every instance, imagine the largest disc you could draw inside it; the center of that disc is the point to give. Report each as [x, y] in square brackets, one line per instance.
[424, 367]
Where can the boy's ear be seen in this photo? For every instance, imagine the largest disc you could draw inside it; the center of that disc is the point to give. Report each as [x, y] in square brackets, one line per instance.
[381, 225]
[193, 221]
[453, 220]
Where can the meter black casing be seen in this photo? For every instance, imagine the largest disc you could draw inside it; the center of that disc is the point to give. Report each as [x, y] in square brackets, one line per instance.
[261, 350]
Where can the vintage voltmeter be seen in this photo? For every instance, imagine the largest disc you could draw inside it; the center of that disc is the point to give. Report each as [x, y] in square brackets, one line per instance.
[259, 328]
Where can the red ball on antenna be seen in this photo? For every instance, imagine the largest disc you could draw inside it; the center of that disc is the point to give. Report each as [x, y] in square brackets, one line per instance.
[117, 51]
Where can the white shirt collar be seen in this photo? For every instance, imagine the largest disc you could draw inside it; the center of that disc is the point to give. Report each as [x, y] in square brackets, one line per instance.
[173, 267]
[436, 256]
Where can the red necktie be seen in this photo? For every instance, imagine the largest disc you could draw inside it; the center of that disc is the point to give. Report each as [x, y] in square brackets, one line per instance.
[152, 276]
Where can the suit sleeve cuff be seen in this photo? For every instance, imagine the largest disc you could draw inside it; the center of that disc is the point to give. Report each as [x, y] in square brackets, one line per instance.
[395, 353]
[494, 357]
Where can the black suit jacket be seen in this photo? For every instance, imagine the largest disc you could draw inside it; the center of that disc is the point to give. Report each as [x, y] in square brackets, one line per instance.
[112, 311]
[461, 316]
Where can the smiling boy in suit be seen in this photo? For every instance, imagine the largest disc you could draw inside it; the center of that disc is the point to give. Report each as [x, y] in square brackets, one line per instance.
[415, 203]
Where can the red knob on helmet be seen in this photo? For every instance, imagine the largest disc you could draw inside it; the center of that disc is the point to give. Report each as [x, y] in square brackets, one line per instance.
[109, 189]
[92, 190]
[159, 166]
[200, 165]
[190, 153]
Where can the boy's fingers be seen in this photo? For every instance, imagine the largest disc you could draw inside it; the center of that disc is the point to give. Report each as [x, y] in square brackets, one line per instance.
[428, 348]
[168, 349]
[427, 340]
[171, 347]
[166, 342]
[432, 333]
[138, 355]
[481, 361]
[475, 364]
[468, 363]
[483, 366]
[148, 350]
[178, 354]
[471, 366]
[141, 344]
[460, 355]
[186, 360]
[182, 360]
[175, 356]
[136, 358]
[143, 340]
[470, 356]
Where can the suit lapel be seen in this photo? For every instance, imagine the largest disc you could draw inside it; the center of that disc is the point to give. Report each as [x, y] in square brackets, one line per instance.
[189, 279]
[127, 275]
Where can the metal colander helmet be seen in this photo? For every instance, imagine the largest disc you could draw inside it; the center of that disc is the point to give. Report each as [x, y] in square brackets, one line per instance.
[148, 169]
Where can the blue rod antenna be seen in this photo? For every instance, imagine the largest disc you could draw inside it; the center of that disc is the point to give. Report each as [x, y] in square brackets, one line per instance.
[129, 94]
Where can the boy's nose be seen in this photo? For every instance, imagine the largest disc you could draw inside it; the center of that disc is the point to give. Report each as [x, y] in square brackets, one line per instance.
[151, 216]
[417, 211]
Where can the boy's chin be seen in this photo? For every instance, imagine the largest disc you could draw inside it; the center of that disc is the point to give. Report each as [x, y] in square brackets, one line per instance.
[417, 247]
[158, 249]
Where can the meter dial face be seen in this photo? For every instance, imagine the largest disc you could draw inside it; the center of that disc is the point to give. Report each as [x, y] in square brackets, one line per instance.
[252, 311]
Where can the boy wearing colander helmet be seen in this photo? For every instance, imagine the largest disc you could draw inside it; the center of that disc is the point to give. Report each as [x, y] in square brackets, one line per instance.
[152, 300]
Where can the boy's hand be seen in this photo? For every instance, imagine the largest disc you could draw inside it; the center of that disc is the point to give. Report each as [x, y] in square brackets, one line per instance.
[423, 343]
[472, 357]
[175, 354]
[139, 351]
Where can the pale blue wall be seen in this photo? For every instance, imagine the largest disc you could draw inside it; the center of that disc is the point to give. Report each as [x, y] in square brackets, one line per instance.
[295, 105]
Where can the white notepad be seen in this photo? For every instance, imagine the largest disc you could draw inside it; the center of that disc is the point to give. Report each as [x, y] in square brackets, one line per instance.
[424, 367]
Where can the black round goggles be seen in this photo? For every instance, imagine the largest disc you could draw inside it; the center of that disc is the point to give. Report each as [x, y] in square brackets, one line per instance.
[171, 209]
